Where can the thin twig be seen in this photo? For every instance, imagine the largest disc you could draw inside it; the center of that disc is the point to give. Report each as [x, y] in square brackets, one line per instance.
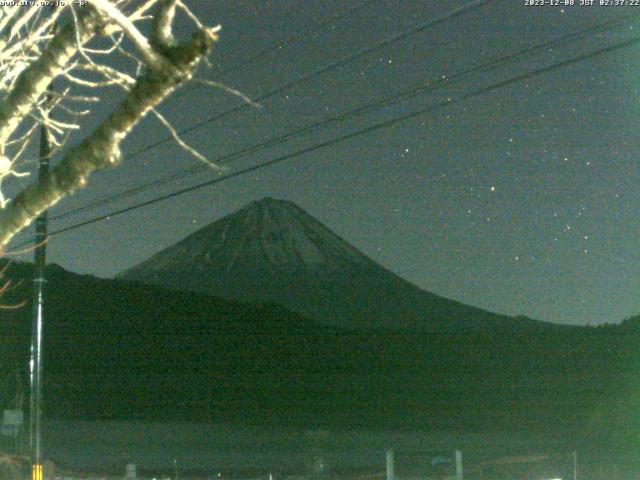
[228, 89]
[183, 144]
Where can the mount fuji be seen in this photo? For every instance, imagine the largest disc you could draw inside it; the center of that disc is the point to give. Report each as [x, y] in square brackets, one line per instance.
[273, 251]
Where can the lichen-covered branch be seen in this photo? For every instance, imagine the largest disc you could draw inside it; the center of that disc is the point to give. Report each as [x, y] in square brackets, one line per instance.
[101, 148]
[112, 12]
[34, 80]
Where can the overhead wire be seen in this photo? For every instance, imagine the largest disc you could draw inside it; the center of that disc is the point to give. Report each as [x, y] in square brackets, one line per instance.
[360, 53]
[280, 45]
[322, 70]
[378, 126]
[297, 37]
[492, 64]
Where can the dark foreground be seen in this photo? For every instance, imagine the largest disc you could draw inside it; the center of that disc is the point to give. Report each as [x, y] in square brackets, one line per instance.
[102, 449]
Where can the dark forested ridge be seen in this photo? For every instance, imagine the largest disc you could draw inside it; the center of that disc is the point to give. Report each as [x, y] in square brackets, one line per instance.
[120, 350]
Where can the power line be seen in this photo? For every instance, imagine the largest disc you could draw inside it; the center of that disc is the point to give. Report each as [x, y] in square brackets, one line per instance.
[298, 37]
[287, 42]
[332, 66]
[388, 123]
[322, 70]
[284, 43]
[408, 93]
[393, 39]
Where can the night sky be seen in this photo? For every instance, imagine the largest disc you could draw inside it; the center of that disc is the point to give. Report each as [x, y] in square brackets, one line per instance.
[522, 200]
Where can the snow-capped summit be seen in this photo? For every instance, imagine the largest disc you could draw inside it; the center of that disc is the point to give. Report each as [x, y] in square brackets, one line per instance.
[275, 233]
[269, 235]
[273, 251]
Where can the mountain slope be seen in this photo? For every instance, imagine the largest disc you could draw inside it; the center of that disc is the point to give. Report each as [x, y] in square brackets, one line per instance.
[120, 350]
[272, 250]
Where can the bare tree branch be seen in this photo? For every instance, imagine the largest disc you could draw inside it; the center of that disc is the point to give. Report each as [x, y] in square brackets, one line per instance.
[185, 146]
[33, 53]
[101, 148]
[151, 58]
[35, 79]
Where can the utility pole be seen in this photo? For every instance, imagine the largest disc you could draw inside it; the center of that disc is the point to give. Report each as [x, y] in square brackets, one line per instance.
[37, 322]
[35, 363]
[390, 465]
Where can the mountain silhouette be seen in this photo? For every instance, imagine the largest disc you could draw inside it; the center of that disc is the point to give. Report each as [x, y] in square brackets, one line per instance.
[273, 251]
